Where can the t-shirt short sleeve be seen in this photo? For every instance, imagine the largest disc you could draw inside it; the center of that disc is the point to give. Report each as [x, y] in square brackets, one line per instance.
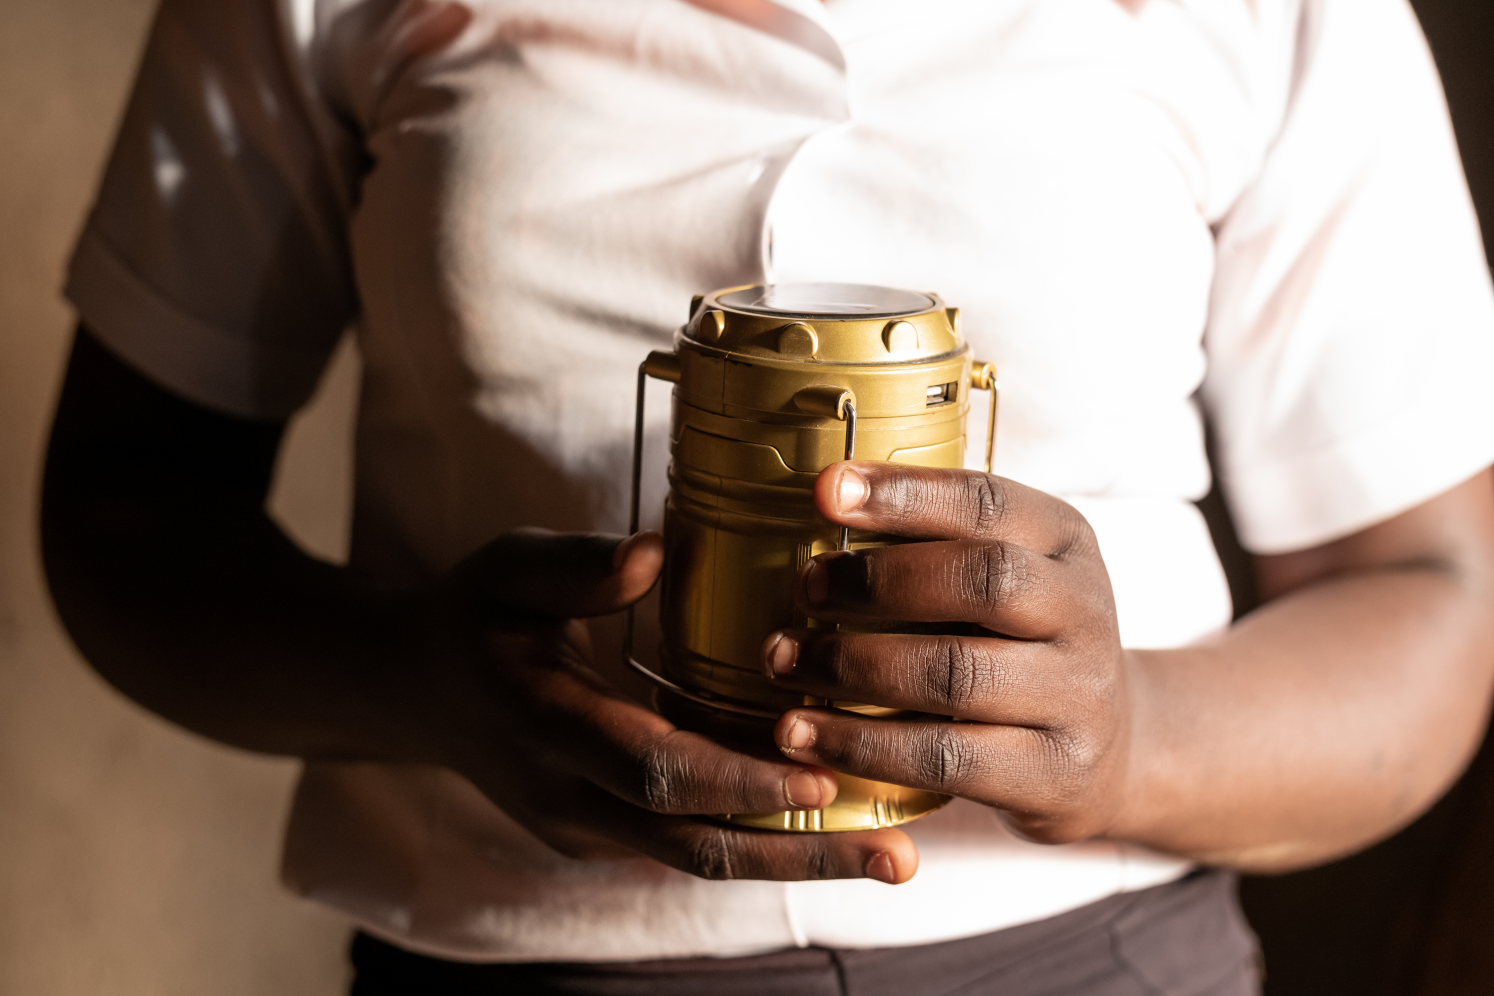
[215, 259]
[1351, 336]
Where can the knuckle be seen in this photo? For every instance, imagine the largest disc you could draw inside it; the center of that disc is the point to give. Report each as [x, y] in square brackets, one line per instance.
[709, 856]
[1091, 685]
[993, 574]
[986, 502]
[660, 774]
[959, 675]
[1061, 811]
[1072, 761]
[950, 760]
[1099, 689]
[820, 864]
[1067, 770]
[1075, 534]
[1079, 756]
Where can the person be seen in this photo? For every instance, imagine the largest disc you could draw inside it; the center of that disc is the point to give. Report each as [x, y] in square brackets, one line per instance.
[1146, 211]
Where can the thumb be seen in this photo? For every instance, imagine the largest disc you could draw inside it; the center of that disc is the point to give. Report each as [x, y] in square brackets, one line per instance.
[559, 575]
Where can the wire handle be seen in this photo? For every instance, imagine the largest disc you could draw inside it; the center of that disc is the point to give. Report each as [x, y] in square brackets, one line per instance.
[850, 416]
[666, 367]
[661, 366]
[983, 378]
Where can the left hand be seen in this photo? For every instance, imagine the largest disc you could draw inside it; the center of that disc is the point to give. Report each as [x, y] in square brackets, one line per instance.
[1040, 694]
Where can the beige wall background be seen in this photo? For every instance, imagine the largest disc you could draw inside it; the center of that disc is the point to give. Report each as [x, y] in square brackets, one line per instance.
[135, 858]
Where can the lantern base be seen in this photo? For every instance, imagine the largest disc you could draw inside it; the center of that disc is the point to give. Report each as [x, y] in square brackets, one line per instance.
[859, 805]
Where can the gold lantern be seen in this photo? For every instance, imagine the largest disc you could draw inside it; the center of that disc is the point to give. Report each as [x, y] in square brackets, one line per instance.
[772, 385]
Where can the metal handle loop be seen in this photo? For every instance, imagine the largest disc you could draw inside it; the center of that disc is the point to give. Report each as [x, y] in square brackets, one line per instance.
[658, 365]
[633, 511]
[850, 416]
[655, 366]
[665, 366]
[983, 378]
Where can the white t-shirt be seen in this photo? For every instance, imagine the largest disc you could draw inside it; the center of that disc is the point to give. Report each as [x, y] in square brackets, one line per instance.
[1253, 201]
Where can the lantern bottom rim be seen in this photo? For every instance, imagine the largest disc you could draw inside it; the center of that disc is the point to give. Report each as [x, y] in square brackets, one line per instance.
[861, 804]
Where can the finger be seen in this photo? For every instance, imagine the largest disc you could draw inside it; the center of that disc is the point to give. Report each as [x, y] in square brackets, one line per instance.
[993, 681]
[721, 851]
[1001, 586]
[570, 718]
[560, 575]
[1020, 769]
[934, 503]
[975, 760]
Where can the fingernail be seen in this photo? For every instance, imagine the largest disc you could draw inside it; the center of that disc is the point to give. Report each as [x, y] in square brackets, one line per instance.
[879, 866]
[803, 790]
[817, 583]
[799, 736]
[850, 491]
[782, 655]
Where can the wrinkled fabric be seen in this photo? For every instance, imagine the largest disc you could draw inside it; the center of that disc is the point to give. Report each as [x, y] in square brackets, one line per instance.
[1186, 938]
[1252, 202]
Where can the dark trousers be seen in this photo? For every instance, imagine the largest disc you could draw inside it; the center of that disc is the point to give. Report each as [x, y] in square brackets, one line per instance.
[1186, 938]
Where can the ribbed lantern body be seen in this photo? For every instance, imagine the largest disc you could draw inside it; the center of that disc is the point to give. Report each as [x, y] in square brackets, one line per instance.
[755, 419]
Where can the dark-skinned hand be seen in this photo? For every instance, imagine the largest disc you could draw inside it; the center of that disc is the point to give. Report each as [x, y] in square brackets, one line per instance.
[1030, 714]
[515, 705]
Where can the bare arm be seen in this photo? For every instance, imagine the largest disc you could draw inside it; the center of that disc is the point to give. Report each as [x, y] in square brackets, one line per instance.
[182, 592]
[1325, 720]
[1338, 711]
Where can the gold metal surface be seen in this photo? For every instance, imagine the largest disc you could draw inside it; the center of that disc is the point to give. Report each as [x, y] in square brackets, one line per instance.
[763, 401]
[860, 805]
[797, 339]
[825, 400]
[900, 337]
[662, 366]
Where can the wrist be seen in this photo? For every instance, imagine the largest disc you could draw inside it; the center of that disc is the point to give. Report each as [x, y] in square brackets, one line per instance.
[1145, 776]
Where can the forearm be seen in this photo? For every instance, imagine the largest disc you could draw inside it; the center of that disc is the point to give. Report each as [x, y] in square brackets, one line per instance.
[1325, 720]
[182, 592]
[221, 624]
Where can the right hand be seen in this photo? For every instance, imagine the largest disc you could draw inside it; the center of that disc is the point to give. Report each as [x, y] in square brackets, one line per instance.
[506, 695]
